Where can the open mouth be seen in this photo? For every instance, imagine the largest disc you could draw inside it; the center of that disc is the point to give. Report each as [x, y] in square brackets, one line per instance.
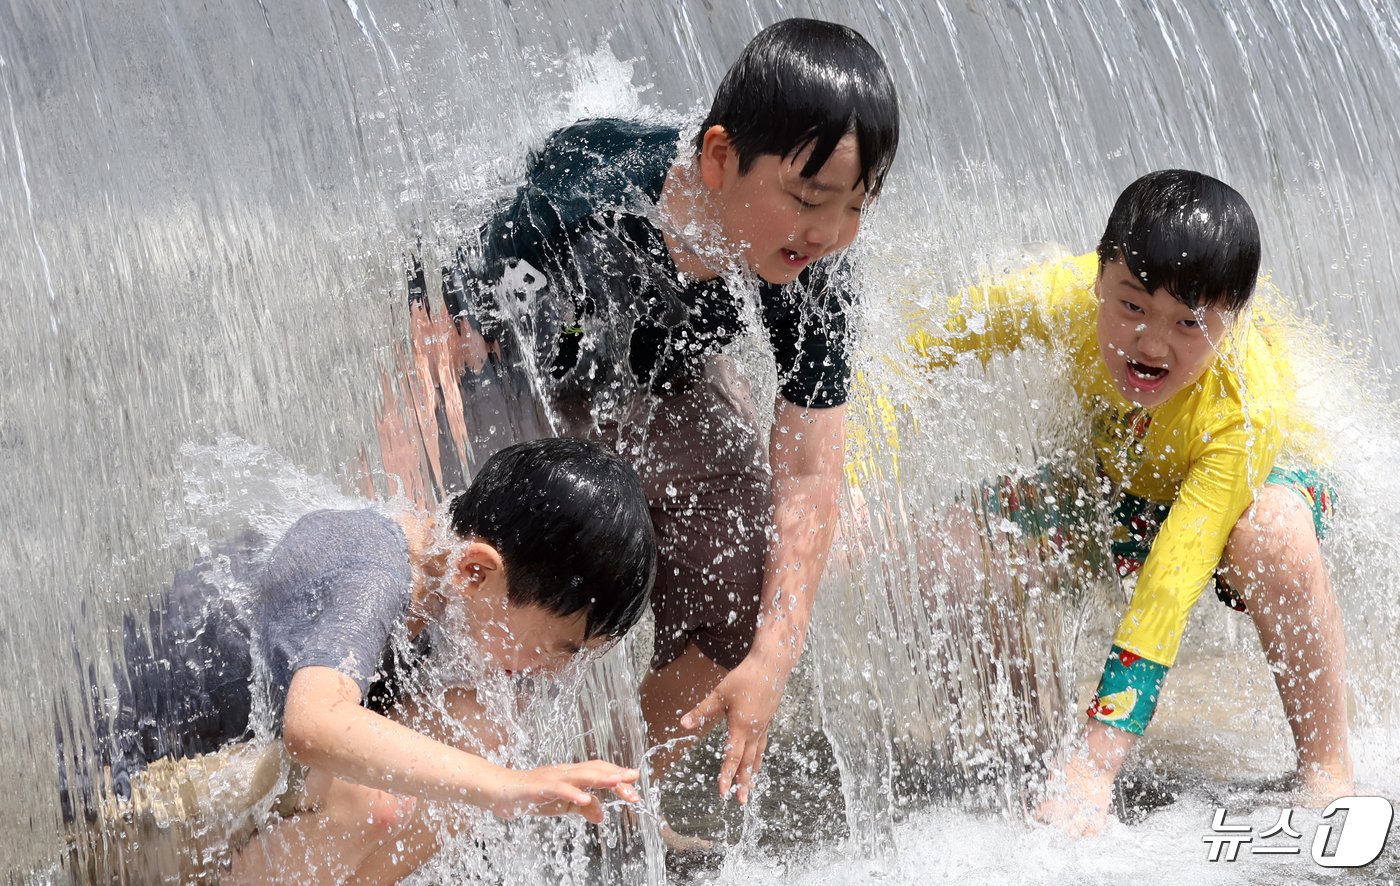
[1148, 376]
[795, 258]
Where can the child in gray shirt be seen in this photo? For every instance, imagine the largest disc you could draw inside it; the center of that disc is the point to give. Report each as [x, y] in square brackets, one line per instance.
[550, 553]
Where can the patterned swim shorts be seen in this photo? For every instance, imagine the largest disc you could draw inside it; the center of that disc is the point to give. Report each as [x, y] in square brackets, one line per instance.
[1137, 520]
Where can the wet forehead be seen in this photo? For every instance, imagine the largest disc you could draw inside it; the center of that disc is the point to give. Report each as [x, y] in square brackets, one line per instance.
[840, 173]
[1161, 301]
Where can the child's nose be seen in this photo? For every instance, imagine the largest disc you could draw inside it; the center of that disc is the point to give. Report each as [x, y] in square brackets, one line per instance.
[1151, 343]
[823, 231]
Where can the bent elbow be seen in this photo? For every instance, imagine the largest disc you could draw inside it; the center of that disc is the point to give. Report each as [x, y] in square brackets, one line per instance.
[300, 742]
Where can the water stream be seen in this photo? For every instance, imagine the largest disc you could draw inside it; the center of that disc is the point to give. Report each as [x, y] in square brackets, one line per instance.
[206, 212]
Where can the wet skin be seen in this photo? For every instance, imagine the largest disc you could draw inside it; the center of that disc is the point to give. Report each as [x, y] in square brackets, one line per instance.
[1152, 345]
[777, 220]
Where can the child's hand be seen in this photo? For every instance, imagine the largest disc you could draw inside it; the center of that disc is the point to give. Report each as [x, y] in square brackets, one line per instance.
[1078, 803]
[1080, 797]
[562, 790]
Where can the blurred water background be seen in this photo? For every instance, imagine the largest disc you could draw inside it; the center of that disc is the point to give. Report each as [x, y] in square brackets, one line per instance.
[205, 213]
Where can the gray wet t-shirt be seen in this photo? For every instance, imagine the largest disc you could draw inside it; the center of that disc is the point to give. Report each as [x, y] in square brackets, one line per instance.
[236, 626]
[332, 594]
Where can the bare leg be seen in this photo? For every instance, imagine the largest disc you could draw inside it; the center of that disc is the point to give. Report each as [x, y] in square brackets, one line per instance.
[346, 822]
[667, 695]
[1274, 560]
[463, 724]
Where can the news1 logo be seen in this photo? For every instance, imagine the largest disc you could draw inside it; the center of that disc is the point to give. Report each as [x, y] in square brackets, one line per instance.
[1360, 835]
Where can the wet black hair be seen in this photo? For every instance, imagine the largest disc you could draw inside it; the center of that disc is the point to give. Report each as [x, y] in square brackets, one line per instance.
[1188, 232]
[570, 522]
[805, 82]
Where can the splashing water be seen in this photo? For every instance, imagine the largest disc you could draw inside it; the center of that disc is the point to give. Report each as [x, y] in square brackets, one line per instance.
[204, 216]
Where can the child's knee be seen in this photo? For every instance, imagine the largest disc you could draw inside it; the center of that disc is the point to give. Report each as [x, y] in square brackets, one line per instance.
[389, 814]
[1276, 530]
[376, 814]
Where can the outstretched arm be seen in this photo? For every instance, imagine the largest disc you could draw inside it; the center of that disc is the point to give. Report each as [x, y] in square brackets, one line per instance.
[326, 728]
[363, 773]
[807, 450]
[1231, 461]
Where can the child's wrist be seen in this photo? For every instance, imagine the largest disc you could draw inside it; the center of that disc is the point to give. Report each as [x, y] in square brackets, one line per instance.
[493, 785]
[1103, 750]
[1086, 769]
[776, 661]
[777, 646]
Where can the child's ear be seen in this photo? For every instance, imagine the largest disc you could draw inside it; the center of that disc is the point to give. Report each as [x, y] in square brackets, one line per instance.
[479, 559]
[716, 156]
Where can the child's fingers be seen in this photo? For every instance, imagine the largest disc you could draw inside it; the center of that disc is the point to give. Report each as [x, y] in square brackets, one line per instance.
[588, 807]
[753, 759]
[625, 776]
[712, 706]
[743, 773]
[592, 811]
[560, 800]
[598, 774]
[628, 792]
[573, 795]
[552, 809]
[733, 754]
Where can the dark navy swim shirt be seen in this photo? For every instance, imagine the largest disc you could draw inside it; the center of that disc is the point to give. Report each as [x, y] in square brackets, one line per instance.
[577, 266]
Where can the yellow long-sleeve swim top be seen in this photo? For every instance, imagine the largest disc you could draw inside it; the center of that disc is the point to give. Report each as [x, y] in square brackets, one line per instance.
[1205, 452]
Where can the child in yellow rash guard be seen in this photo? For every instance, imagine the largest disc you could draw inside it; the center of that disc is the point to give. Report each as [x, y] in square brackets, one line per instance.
[1191, 404]
[1148, 453]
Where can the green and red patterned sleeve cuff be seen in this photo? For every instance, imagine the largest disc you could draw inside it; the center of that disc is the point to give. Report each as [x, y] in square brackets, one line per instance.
[1128, 691]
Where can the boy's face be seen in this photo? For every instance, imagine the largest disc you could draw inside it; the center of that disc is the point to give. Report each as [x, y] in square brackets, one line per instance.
[779, 221]
[532, 639]
[513, 637]
[1152, 345]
